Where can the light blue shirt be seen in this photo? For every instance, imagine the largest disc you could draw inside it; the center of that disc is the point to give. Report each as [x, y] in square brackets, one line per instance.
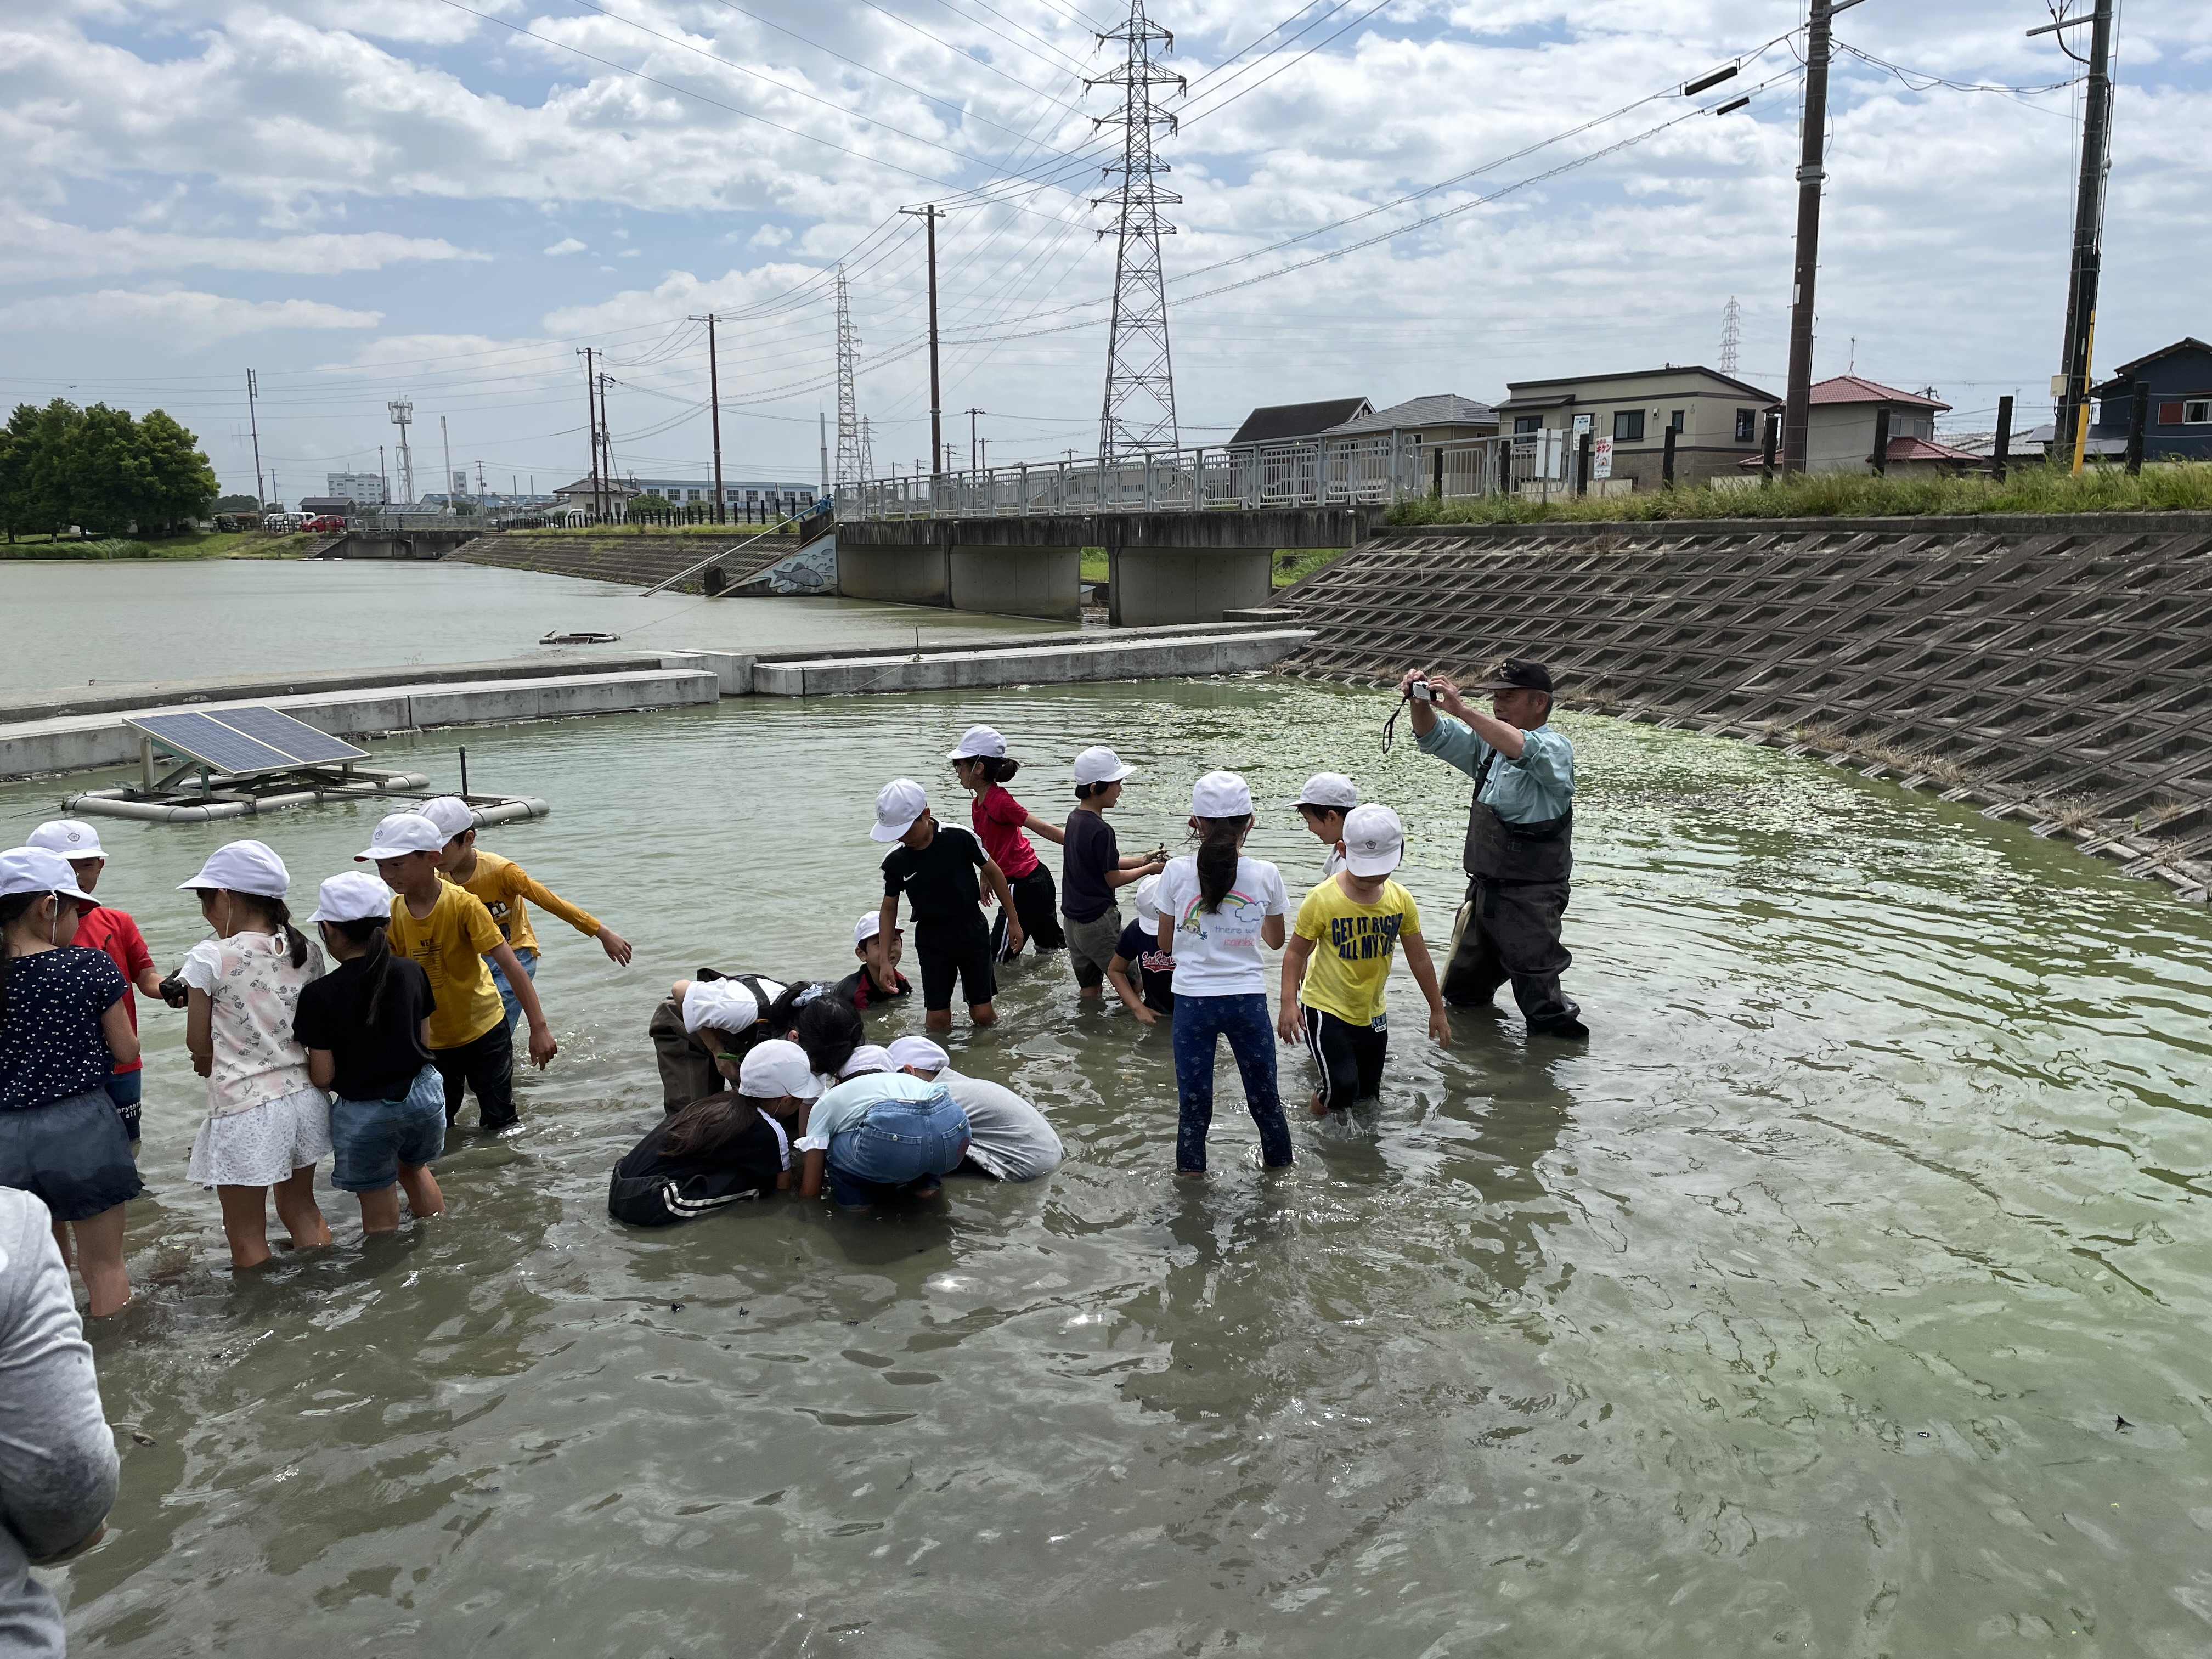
[1538, 787]
[848, 1105]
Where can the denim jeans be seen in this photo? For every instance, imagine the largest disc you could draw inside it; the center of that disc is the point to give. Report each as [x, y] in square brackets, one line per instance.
[897, 1144]
[371, 1139]
[1199, 1020]
[528, 958]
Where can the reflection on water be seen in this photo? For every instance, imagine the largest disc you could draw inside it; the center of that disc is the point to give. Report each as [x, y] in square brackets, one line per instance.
[1796, 1314]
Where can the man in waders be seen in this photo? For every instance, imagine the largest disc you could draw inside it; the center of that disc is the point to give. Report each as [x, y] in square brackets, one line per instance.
[1520, 831]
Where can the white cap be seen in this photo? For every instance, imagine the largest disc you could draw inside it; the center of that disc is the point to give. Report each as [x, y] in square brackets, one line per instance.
[724, 1004]
[453, 815]
[866, 1058]
[355, 895]
[71, 837]
[35, 870]
[867, 928]
[1099, 765]
[244, 866]
[1144, 899]
[1220, 795]
[978, 743]
[918, 1052]
[898, 804]
[402, 833]
[775, 1068]
[1329, 789]
[1374, 841]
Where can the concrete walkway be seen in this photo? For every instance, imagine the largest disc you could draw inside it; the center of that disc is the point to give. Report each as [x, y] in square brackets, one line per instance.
[1087, 657]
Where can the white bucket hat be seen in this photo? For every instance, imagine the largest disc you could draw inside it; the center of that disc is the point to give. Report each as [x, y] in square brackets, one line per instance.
[453, 815]
[355, 895]
[35, 870]
[723, 1004]
[72, 838]
[1374, 841]
[898, 804]
[1220, 795]
[918, 1052]
[865, 1059]
[1144, 899]
[400, 834]
[867, 928]
[979, 743]
[244, 866]
[1099, 765]
[775, 1068]
[1328, 789]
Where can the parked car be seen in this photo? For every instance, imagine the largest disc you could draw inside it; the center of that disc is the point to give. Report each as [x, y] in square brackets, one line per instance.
[326, 521]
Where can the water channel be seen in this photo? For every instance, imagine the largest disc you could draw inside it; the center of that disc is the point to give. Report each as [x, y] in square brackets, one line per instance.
[1797, 1315]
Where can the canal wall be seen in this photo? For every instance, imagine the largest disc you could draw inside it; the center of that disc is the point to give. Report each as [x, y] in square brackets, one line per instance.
[627, 558]
[2058, 670]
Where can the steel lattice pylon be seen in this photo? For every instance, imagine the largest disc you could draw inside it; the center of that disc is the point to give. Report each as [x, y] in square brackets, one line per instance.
[849, 466]
[1731, 335]
[1140, 414]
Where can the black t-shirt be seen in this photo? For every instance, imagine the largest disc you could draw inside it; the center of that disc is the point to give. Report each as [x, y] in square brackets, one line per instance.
[860, 991]
[376, 1061]
[754, 1153]
[1092, 850]
[939, 879]
[1143, 947]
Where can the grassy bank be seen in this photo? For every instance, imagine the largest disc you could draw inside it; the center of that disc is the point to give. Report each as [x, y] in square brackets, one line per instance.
[214, 544]
[2170, 486]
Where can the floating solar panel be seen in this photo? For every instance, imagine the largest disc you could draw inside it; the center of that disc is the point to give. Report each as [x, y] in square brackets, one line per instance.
[241, 741]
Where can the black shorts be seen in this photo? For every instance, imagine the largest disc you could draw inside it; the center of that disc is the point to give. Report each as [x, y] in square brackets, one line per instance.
[963, 953]
[485, 1064]
[1350, 1057]
[1037, 903]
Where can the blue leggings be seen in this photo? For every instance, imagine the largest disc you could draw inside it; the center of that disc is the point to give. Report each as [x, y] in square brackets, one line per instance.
[1199, 1020]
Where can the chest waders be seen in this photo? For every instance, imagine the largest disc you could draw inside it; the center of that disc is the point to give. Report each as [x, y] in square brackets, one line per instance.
[1509, 927]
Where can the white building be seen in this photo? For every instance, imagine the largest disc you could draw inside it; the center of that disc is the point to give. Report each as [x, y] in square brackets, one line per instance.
[362, 489]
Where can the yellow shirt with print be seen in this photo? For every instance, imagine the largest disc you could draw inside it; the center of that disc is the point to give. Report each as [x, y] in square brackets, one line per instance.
[502, 885]
[449, 944]
[1352, 945]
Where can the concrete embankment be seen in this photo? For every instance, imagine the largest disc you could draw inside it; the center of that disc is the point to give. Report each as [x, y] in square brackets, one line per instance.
[2055, 669]
[633, 559]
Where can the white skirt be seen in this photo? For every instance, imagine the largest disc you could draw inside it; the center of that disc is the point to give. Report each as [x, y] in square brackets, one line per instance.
[264, 1144]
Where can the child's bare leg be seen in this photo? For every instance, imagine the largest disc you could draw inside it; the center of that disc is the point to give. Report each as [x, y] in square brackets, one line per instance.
[421, 1186]
[296, 1209]
[938, 1020]
[246, 1224]
[981, 1013]
[379, 1210]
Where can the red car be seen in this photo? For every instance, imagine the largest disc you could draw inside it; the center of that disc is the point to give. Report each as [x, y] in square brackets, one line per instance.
[326, 521]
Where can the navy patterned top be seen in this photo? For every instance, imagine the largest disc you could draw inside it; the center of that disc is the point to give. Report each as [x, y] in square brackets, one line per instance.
[51, 1044]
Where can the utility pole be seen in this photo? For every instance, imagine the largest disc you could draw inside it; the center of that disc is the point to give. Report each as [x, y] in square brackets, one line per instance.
[383, 482]
[849, 401]
[1797, 404]
[1138, 413]
[445, 439]
[715, 402]
[973, 452]
[607, 446]
[822, 424]
[929, 215]
[2072, 383]
[253, 421]
[403, 413]
[591, 425]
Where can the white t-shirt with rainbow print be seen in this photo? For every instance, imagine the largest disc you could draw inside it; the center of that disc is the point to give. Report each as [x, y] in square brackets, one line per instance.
[1217, 952]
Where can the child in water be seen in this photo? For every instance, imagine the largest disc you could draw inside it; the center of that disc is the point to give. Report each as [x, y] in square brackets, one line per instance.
[268, 1125]
[722, 1148]
[1093, 867]
[1139, 951]
[984, 768]
[1217, 907]
[715, 1013]
[366, 1027]
[1340, 947]
[1322, 803]
[935, 866]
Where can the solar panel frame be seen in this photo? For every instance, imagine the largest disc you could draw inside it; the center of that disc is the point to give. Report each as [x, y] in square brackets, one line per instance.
[307, 744]
[242, 742]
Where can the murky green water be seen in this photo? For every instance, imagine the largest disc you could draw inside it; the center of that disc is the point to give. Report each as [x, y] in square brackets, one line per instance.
[1794, 1316]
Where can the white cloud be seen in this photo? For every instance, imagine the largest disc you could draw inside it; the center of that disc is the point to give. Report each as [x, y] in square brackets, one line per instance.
[39, 249]
[178, 317]
[566, 245]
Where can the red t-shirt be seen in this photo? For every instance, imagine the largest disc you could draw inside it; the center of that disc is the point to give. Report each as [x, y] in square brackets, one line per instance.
[999, 819]
[114, 932]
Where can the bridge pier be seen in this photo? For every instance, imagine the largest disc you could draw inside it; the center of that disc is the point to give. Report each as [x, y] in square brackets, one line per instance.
[1019, 582]
[1152, 586]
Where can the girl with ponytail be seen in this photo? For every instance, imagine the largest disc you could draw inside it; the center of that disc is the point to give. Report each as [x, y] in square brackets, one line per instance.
[1003, 825]
[268, 1125]
[365, 1029]
[1217, 907]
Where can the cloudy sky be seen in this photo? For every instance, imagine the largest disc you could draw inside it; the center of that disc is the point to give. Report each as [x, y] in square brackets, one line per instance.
[447, 200]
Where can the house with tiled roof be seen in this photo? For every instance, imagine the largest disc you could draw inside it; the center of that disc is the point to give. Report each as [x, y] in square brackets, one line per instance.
[1440, 418]
[1274, 423]
[1846, 418]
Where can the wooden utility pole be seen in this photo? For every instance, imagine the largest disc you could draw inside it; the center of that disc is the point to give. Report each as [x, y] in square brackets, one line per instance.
[715, 402]
[1797, 403]
[929, 215]
[2072, 383]
[591, 422]
[253, 420]
[606, 446]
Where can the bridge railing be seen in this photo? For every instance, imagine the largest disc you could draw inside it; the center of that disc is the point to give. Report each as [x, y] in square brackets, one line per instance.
[1370, 470]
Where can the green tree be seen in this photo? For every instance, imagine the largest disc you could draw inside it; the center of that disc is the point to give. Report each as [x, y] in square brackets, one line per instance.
[180, 483]
[110, 484]
[35, 450]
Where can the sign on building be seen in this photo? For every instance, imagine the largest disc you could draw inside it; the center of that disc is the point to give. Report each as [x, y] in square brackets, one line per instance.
[1601, 457]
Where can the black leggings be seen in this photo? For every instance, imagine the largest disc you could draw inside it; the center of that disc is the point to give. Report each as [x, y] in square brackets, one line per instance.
[1350, 1057]
[1037, 903]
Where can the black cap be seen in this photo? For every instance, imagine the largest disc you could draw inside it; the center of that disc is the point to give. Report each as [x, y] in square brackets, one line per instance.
[1517, 674]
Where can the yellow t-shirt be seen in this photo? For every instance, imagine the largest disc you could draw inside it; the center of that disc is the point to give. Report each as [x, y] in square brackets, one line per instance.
[502, 885]
[449, 944]
[1352, 943]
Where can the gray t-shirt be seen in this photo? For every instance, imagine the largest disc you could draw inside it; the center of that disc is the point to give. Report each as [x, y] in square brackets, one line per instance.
[1009, 1139]
[57, 1463]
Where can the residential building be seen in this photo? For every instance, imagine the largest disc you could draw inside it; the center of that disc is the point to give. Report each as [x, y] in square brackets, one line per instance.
[1717, 419]
[363, 489]
[2027, 449]
[2179, 424]
[1438, 418]
[1285, 423]
[783, 495]
[1846, 414]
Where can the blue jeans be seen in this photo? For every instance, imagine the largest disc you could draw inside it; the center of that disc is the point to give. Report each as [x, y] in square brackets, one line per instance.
[1199, 1020]
[528, 958]
[898, 1145]
[371, 1139]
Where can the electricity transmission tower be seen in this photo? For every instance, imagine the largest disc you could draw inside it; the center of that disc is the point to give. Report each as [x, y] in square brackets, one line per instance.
[848, 410]
[1139, 415]
[402, 415]
[1731, 336]
[867, 452]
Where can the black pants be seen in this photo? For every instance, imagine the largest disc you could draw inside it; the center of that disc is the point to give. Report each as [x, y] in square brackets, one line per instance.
[1350, 1057]
[486, 1065]
[1036, 901]
[1510, 931]
[688, 1071]
[955, 950]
